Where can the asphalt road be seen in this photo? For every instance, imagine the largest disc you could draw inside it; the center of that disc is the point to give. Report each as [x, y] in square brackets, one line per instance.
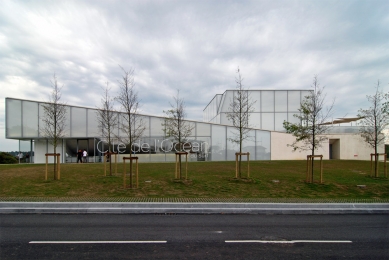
[194, 236]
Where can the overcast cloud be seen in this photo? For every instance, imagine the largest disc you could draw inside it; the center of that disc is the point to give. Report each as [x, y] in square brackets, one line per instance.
[193, 46]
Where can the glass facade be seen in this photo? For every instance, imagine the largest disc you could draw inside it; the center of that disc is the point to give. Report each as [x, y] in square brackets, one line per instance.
[207, 142]
[211, 111]
[271, 108]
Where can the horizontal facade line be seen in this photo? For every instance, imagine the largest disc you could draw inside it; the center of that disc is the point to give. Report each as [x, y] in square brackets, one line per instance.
[99, 242]
[287, 241]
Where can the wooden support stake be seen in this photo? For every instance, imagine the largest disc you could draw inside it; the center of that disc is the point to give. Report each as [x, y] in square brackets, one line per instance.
[46, 168]
[308, 164]
[186, 166]
[124, 172]
[116, 165]
[59, 167]
[176, 169]
[236, 164]
[248, 165]
[321, 169]
[56, 159]
[309, 177]
[105, 164]
[377, 159]
[137, 173]
[177, 173]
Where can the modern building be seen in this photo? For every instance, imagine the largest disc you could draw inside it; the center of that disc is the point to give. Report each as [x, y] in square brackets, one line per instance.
[271, 108]
[210, 140]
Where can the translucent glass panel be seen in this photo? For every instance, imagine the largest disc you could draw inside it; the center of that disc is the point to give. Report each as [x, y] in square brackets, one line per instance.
[305, 93]
[268, 121]
[141, 122]
[218, 146]
[292, 118]
[14, 118]
[262, 142]
[281, 101]
[255, 95]
[78, 122]
[41, 123]
[156, 127]
[30, 119]
[212, 108]
[224, 120]
[232, 147]
[248, 144]
[67, 122]
[279, 120]
[227, 99]
[255, 120]
[121, 120]
[40, 116]
[145, 121]
[216, 120]
[293, 101]
[267, 101]
[203, 129]
[201, 148]
[93, 125]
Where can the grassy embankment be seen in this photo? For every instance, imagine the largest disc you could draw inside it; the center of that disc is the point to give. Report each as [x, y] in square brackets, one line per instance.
[205, 180]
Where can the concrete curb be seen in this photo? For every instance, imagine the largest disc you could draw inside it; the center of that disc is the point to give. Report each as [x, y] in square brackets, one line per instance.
[190, 208]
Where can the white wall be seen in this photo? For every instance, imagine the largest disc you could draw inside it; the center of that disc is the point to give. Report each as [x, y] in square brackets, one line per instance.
[40, 151]
[280, 150]
[41, 147]
[351, 147]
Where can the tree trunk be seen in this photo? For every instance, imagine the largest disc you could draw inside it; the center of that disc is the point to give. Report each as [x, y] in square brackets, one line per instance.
[376, 161]
[110, 164]
[130, 172]
[55, 160]
[312, 164]
[240, 157]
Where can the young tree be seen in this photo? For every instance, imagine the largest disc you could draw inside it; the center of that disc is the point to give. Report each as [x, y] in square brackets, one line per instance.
[107, 119]
[312, 118]
[131, 123]
[239, 112]
[374, 120]
[54, 119]
[175, 125]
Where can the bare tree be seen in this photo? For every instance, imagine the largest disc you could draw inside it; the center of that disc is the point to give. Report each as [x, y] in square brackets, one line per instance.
[175, 125]
[131, 123]
[54, 119]
[239, 114]
[374, 120]
[312, 121]
[107, 119]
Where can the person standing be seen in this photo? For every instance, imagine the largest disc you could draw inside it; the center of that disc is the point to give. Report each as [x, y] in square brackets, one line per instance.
[84, 156]
[79, 156]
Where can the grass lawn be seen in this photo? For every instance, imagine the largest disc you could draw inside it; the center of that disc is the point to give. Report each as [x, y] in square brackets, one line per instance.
[207, 180]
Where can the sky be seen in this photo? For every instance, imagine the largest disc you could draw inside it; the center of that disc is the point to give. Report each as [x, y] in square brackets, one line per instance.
[194, 47]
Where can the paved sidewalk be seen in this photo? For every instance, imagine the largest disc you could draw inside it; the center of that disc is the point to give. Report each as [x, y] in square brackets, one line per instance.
[190, 208]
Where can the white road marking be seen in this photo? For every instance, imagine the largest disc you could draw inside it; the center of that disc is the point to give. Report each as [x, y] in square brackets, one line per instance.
[97, 242]
[287, 241]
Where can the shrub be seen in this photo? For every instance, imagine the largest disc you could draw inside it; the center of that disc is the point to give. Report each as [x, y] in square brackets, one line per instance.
[6, 158]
